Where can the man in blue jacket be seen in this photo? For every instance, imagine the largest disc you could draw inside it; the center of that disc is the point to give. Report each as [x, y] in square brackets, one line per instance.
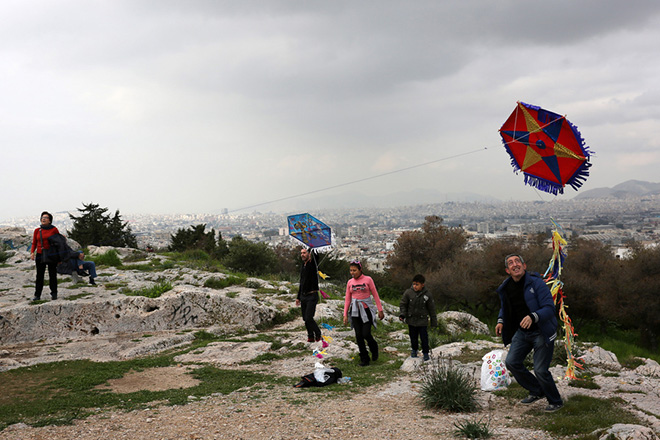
[528, 321]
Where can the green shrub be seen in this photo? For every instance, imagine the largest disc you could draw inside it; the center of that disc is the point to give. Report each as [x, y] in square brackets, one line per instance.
[110, 258]
[447, 387]
[223, 283]
[252, 284]
[4, 255]
[473, 428]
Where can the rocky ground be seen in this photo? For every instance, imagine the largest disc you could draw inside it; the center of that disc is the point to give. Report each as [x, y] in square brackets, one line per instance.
[390, 410]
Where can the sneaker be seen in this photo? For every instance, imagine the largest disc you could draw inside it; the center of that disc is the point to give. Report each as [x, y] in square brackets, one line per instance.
[91, 281]
[318, 339]
[413, 353]
[427, 357]
[36, 298]
[531, 399]
[553, 408]
[310, 339]
[53, 296]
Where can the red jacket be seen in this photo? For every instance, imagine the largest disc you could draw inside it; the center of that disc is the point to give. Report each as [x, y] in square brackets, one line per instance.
[45, 233]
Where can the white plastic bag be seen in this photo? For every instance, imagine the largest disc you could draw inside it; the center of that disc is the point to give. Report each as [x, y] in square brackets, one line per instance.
[494, 374]
[321, 373]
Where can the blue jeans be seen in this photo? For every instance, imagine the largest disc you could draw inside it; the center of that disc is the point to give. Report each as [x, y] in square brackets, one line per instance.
[541, 382]
[90, 267]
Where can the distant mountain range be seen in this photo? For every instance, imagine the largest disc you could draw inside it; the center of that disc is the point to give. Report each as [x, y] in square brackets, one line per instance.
[628, 189]
[358, 200]
[350, 200]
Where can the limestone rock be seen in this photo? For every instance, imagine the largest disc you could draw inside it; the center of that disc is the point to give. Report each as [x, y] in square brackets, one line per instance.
[226, 353]
[15, 238]
[460, 322]
[622, 431]
[181, 308]
[650, 368]
[597, 357]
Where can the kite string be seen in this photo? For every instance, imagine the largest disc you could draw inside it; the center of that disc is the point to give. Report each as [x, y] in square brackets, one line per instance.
[358, 180]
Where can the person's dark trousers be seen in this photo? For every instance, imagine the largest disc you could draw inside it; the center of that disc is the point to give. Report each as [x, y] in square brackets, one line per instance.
[541, 382]
[362, 335]
[421, 333]
[308, 308]
[90, 267]
[41, 272]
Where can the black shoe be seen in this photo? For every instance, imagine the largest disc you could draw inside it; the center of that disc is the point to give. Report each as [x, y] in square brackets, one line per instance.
[82, 272]
[364, 363]
[91, 281]
[531, 399]
[374, 356]
[36, 298]
[53, 296]
[553, 408]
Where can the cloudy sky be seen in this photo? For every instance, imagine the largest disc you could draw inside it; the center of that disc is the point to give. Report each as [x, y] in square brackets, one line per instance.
[194, 106]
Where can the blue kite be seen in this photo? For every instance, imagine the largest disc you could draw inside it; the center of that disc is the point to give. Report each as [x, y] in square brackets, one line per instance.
[310, 231]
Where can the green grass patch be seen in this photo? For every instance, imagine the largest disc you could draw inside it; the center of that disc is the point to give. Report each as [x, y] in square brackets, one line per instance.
[154, 291]
[513, 393]
[110, 258]
[196, 259]
[625, 343]
[114, 286]
[60, 392]
[581, 415]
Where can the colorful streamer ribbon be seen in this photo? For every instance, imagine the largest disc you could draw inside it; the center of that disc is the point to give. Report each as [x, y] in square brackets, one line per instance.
[552, 279]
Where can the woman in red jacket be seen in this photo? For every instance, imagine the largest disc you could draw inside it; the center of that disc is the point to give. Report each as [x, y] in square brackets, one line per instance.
[39, 244]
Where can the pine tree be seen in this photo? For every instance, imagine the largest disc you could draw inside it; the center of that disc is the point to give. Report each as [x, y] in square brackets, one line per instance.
[97, 228]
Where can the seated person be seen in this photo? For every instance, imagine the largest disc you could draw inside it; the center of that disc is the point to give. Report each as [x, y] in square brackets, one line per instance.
[83, 268]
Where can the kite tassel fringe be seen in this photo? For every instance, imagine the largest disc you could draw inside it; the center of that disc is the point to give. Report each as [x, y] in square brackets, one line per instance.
[543, 185]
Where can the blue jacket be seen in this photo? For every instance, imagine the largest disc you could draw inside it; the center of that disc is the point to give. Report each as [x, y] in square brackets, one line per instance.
[541, 307]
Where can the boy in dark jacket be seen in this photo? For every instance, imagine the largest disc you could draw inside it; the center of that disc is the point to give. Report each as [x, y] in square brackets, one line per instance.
[415, 308]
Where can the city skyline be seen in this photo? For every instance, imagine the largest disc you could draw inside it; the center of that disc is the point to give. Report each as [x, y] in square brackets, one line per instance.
[152, 107]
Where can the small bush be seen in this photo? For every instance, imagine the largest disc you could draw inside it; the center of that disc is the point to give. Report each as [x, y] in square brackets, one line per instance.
[473, 428]
[110, 258]
[252, 284]
[447, 387]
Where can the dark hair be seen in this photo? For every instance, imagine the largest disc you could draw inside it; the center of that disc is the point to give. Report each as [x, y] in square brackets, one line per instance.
[513, 255]
[357, 264]
[50, 216]
[419, 278]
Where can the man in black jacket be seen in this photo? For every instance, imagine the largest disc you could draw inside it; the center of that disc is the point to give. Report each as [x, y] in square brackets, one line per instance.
[308, 294]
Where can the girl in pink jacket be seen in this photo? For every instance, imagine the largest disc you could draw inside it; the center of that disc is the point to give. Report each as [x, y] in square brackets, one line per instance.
[359, 303]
